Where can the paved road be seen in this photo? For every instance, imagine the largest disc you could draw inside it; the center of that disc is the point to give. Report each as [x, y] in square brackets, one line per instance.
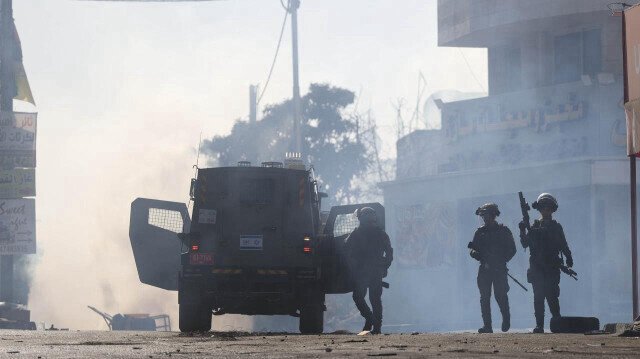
[46, 344]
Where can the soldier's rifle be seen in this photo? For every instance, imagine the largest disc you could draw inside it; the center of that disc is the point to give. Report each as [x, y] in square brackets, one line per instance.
[471, 246]
[524, 208]
[568, 271]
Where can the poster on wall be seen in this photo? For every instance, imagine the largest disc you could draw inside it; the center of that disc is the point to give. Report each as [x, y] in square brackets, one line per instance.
[426, 236]
[17, 226]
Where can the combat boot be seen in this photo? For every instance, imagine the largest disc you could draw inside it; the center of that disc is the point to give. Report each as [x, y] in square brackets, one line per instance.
[539, 329]
[486, 319]
[377, 326]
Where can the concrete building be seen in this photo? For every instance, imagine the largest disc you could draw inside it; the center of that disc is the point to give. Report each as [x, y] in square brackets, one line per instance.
[552, 122]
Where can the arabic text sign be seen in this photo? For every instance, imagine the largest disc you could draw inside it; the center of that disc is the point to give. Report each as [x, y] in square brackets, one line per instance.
[17, 183]
[12, 138]
[17, 226]
[632, 21]
[18, 139]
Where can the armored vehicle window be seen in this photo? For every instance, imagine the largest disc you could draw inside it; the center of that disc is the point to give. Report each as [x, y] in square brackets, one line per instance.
[166, 219]
[344, 224]
[256, 191]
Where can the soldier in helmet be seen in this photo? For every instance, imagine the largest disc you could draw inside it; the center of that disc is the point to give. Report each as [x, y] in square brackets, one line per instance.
[369, 254]
[493, 246]
[547, 245]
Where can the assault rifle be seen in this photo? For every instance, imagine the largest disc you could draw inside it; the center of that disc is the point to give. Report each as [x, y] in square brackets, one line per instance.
[568, 271]
[524, 208]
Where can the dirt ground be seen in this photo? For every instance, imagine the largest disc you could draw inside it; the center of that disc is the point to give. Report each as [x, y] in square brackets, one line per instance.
[51, 344]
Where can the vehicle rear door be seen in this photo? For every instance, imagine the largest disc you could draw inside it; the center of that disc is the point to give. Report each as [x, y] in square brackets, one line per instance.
[341, 222]
[153, 231]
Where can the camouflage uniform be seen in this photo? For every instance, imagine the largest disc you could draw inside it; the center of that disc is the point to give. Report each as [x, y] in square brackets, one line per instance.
[370, 255]
[493, 246]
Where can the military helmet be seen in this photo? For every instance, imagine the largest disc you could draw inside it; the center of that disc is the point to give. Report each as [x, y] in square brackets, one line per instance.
[488, 208]
[545, 200]
[366, 214]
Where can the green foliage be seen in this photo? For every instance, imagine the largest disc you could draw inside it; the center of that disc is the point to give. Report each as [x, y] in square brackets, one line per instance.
[331, 141]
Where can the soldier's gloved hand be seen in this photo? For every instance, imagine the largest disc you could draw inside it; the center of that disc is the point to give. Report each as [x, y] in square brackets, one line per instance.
[569, 262]
[475, 254]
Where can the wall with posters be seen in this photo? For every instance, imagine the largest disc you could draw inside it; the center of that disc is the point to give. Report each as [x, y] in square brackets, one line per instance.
[17, 180]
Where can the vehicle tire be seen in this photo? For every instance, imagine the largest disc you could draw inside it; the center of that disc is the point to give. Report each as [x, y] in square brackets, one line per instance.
[312, 319]
[194, 318]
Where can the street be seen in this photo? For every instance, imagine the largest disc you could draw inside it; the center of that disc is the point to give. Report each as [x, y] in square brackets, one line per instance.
[93, 344]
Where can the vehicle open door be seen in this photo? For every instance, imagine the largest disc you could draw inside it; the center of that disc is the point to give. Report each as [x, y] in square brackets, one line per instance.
[341, 222]
[153, 231]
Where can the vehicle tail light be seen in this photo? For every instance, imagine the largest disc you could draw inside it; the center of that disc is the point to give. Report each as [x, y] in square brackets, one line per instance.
[195, 247]
[307, 244]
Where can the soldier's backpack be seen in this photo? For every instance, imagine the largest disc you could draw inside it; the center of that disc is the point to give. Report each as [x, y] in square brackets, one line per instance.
[577, 325]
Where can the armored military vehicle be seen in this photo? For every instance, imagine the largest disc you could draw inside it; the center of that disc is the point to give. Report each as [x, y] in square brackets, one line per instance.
[256, 243]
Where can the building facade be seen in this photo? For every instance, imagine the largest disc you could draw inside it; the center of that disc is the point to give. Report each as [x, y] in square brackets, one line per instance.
[553, 122]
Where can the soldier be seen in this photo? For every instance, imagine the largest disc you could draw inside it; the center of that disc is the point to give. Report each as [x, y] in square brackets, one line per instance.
[370, 255]
[547, 245]
[493, 246]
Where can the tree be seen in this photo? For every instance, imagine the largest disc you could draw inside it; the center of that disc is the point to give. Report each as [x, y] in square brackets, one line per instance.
[331, 141]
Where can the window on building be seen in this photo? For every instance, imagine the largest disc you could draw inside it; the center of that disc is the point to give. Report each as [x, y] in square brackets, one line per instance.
[505, 68]
[592, 52]
[577, 54]
[567, 58]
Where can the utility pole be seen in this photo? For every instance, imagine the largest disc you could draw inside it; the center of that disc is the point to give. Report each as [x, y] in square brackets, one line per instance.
[7, 93]
[295, 4]
[633, 195]
[253, 103]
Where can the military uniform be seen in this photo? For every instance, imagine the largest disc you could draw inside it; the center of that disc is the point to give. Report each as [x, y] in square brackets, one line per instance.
[370, 255]
[493, 246]
[548, 245]
[546, 241]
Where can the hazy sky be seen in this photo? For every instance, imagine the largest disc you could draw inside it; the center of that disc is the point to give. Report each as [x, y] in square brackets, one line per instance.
[124, 90]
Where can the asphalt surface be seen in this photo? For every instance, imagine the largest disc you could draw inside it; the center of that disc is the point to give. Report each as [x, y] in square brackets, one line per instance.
[76, 344]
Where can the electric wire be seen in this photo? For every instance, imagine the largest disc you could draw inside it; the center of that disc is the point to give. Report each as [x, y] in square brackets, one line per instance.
[275, 57]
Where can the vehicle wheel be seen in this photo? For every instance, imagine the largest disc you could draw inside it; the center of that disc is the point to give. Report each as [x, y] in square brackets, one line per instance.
[194, 318]
[312, 319]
